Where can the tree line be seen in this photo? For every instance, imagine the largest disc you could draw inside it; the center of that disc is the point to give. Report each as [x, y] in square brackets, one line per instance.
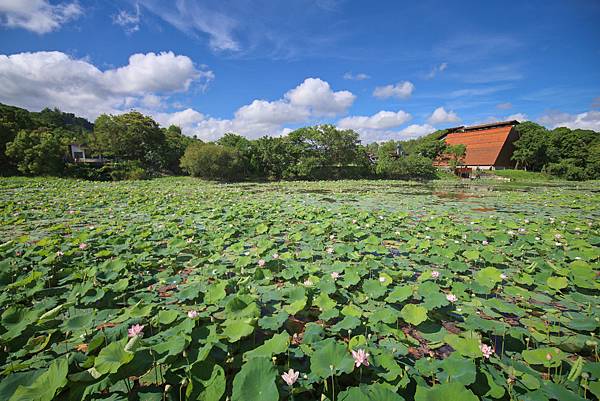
[36, 143]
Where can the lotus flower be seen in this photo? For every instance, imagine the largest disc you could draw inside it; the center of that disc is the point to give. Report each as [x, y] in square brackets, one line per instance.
[59, 254]
[83, 245]
[262, 263]
[329, 250]
[435, 274]
[192, 314]
[451, 297]
[290, 377]
[382, 279]
[308, 283]
[335, 275]
[487, 350]
[361, 357]
[135, 330]
[275, 256]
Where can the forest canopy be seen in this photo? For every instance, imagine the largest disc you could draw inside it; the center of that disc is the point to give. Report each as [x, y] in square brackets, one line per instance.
[135, 146]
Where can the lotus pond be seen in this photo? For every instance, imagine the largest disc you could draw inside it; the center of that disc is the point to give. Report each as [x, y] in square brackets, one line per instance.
[178, 289]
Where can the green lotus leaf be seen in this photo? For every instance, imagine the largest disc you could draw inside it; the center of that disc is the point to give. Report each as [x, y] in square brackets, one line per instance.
[330, 358]
[277, 344]
[255, 381]
[237, 329]
[112, 357]
[44, 387]
[445, 392]
[547, 356]
[414, 314]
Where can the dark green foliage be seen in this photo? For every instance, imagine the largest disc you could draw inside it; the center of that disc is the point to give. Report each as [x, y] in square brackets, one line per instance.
[174, 148]
[565, 153]
[409, 167]
[213, 162]
[38, 152]
[129, 136]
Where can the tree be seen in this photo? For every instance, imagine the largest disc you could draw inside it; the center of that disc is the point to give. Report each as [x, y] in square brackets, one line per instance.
[175, 145]
[531, 147]
[38, 152]
[457, 154]
[212, 162]
[411, 167]
[129, 136]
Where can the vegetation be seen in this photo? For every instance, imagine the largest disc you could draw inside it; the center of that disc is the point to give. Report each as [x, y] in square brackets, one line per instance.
[135, 146]
[565, 153]
[179, 289]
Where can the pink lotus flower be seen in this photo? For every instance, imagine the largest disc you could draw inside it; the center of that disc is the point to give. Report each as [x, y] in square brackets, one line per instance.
[435, 274]
[192, 314]
[275, 256]
[135, 330]
[335, 275]
[503, 276]
[484, 242]
[59, 254]
[487, 350]
[329, 250]
[361, 357]
[382, 279]
[451, 297]
[71, 212]
[83, 245]
[290, 377]
[308, 283]
[262, 263]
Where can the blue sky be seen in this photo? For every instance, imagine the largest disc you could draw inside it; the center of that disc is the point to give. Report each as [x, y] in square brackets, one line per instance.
[388, 69]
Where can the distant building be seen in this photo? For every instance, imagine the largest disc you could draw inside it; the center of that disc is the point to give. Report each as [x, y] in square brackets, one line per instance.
[77, 153]
[488, 146]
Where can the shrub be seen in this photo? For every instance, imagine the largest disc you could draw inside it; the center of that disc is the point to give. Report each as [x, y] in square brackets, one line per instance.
[213, 162]
[413, 167]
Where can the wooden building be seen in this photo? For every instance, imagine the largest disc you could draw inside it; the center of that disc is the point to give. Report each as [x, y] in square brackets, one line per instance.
[488, 146]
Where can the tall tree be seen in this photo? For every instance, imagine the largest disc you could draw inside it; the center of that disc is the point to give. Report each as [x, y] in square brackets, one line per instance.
[129, 136]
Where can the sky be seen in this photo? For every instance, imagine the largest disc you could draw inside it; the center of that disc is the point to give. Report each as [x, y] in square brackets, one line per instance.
[387, 69]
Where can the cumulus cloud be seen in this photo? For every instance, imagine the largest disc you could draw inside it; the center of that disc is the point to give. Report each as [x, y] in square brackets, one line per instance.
[358, 77]
[440, 115]
[379, 135]
[128, 21]
[311, 99]
[416, 130]
[381, 120]
[37, 16]
[400, 90]
[586, 120]
[316, 95]
[55, 79]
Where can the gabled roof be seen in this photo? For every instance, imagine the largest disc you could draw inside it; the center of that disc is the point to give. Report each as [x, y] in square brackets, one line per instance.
[484, 142]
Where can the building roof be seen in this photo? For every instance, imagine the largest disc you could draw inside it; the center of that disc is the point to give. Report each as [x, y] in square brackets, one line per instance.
[484, 143]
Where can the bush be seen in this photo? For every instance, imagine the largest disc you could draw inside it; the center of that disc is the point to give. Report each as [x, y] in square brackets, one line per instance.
[566, 169]
[413, 167]
[129, 170]
[213, 162]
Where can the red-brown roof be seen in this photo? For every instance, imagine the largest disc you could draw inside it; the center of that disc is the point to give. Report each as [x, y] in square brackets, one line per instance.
[483, 145]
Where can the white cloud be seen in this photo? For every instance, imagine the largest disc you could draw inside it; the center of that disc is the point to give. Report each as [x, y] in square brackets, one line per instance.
[440, 115]
[381, 120]
[358, 77]
[586, 120]
[416, 130]
[310, 99]
[437, 69]
[38, 16]
[317, 96]
[197, 17]
[517, 116]
[54, 79]
[400, 90]
[129, 21]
